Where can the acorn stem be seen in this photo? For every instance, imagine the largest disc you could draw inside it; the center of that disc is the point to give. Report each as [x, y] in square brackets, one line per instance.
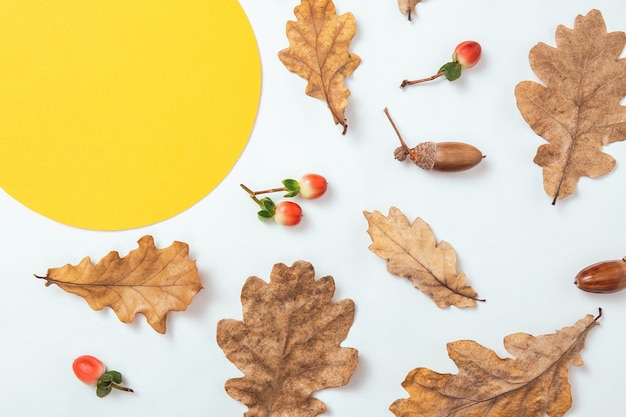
[404, 145]
[412, 82]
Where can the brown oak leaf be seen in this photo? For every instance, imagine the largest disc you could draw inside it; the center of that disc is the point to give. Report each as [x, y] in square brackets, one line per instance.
[531, 384]
[318, 52]
[412, 252]
[287, 345]
[578, 110]
[148, 280]
[408, 7]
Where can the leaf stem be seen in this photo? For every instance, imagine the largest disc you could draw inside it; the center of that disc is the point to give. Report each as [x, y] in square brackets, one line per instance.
[599, 314]
[412, 82]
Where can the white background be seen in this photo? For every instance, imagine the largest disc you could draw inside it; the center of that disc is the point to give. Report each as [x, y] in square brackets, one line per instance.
[518, 251]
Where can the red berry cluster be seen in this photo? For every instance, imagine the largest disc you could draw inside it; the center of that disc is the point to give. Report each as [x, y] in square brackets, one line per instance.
[288, 213]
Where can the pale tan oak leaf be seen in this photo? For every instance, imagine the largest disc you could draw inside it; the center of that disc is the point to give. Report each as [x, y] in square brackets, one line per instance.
[578, 109]
[412, 252]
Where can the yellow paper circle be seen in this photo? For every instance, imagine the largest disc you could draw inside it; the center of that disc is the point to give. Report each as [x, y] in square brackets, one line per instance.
[117, 114]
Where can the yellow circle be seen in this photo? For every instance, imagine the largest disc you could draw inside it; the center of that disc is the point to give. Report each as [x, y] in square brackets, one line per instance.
[117, 114]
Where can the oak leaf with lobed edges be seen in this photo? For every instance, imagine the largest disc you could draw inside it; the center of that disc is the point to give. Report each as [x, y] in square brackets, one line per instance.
[531, 384]
[318, 52]
[148, 280]
[578, 109]
[412, 252]
[288, 344]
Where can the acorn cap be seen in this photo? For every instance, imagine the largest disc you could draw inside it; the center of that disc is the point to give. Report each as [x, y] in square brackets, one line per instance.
[424, 155]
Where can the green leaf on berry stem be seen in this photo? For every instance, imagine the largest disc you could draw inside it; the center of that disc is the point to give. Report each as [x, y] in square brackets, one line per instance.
[268, 209]
[103, 391]
[268, 205]
[292, 186]
[264, 215]
[104, 385]
[451, 70]
[115, 376]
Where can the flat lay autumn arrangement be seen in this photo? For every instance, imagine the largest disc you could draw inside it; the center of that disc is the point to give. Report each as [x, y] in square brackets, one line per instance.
[426, 221]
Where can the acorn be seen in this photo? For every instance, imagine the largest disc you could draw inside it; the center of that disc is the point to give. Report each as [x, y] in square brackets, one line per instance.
[603, 277]
[442, 156]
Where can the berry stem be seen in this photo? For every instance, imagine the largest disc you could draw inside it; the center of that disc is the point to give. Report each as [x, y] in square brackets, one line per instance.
[271, 190]
[402, 142]
[252, 195]
[412, 82]
[121, 388]
[249, 191]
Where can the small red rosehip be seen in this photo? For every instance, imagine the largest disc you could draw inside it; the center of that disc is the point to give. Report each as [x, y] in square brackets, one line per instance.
[312, 186]
[88, 369]
[288, 213]
[465, 55]
[92, 371]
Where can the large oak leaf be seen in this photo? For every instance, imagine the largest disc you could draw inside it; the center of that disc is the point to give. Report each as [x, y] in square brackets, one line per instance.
[412, 252]
[578, 110]
[287, 345]
[148, 280]
[534, 382]
[318, 52]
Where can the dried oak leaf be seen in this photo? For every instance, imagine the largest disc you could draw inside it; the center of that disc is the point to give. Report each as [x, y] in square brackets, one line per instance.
[534, 382]
[287, 345]
[412, 252]
[408, 7]
[318, 52]
[148, 280]
[578, 110]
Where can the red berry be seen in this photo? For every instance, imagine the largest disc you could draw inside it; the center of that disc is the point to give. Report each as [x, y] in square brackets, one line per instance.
[288, 213]
[312, 186]
[88, 369]
[467, 54]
